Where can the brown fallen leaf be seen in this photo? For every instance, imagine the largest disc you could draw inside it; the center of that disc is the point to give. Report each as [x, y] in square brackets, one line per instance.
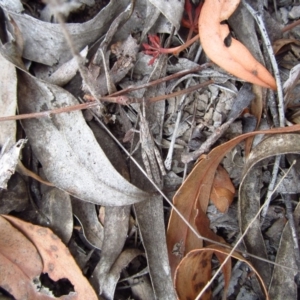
[50, 256]
[197, 189]
[222, 192]
[224, 50]
[284, 45]
[195, 270]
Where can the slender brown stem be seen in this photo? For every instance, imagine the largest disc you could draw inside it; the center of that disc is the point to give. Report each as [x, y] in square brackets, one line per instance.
[181, 92]
[160, 80]
[290, 26]
[123, 100]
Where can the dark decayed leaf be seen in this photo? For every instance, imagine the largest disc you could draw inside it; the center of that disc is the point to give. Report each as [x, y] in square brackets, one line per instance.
[56, 207]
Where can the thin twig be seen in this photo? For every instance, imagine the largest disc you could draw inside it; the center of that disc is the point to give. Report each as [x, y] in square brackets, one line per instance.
[271, 187]
[267, 42]
[123, 100]
[168, 160]
[161, 80]
[206, 146]
[290, 26]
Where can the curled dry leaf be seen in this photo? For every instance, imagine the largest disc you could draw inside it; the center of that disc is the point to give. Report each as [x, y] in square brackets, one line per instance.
[197, 188]
[226, 51]
[37, 250]
[195, 270]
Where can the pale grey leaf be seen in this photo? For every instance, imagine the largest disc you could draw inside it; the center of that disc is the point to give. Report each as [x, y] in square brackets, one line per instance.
[67, 149]
[12, 5]
[45, 43]
[116, 223]
[171, 9]
[292, 81]
[112, 278]
[8, 100]
[66, 71]
[9, 158]
[285, 256]
[150, 221]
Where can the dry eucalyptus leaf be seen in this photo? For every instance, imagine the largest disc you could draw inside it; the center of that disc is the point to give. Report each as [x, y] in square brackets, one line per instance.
[8, 161]
[274, 145]
[67, 149]
[56, 260]
[171, 9]
[150, 220]
[116, 223]
[20, 262]
[86, 214]
[285, 256]
[56, 206]
[292, 81]
[12, 5]
[249, 204]
[8, 100]
[66, 71]
[15, 197]
[48, 45]
[109, 283]
[115, 234]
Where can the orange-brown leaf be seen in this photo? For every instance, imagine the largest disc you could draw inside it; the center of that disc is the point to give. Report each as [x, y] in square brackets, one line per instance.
[197, 187]
[57, 260]
[222, 192]
[194, 271]
[224, 50]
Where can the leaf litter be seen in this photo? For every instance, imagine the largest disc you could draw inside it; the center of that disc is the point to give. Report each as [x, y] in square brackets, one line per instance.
[118, 236]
